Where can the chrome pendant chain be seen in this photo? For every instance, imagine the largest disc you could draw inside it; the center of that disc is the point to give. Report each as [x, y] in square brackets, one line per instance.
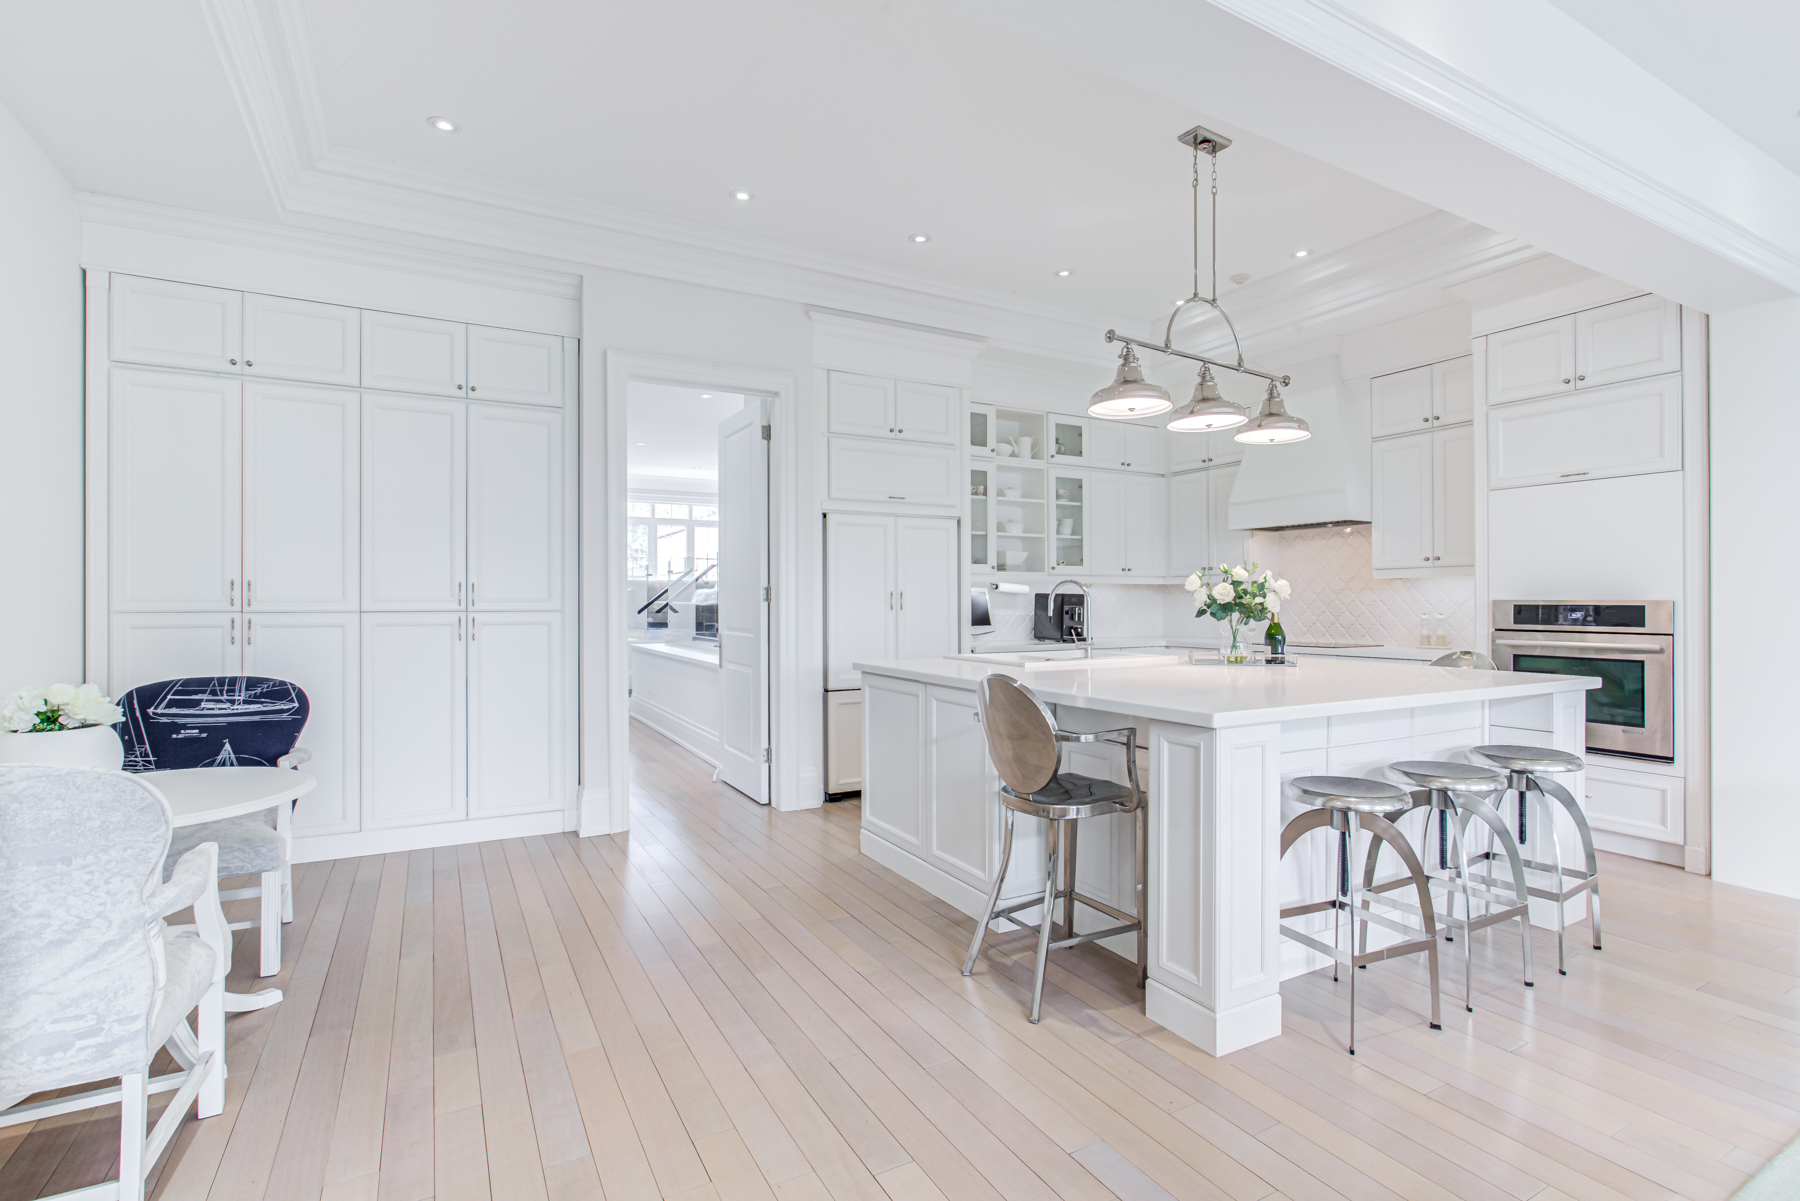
[1214, 156]
[1215, 227]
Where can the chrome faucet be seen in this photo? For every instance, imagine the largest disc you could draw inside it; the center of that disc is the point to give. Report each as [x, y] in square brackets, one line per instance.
[1087, 611]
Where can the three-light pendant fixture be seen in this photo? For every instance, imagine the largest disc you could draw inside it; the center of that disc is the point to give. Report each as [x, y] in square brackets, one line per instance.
[1131, 395]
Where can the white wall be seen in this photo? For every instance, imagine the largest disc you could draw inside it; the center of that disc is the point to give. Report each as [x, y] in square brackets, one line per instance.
[41, 414]
[1755, 499]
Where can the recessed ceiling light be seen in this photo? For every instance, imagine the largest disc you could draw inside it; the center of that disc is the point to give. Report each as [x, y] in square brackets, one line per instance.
[1242, 277]
[1064, 271]
[1300, 254]
[921, 238]
[441, 124]
[706, 396]
[740, 196]
[640, 444]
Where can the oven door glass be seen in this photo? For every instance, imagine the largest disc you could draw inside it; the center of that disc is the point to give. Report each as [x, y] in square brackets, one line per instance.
[1618, 702]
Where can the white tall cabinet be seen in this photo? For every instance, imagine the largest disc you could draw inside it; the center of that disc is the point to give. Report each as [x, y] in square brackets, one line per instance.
[1422, 469]
[376, 506]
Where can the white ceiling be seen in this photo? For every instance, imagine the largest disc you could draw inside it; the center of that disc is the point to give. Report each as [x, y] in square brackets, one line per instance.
[670, 432]
[1739, 60]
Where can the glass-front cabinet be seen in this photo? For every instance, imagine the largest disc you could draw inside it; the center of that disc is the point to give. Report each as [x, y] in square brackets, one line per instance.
[1068, 510]
[1017, 505]
[980, 528]
[981, 430]
[1068, 439]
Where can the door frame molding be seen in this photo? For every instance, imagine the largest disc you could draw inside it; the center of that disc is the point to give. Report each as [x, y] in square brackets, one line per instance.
[605, 806]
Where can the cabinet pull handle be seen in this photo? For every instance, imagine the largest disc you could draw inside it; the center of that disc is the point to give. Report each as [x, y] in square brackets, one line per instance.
[890, 602]
[1569, 475]
[231, 599]
[247, 583]
[471, 627]
[249, 631]
[234, 631]
[459, 592]
[459, 629]
[471, 599]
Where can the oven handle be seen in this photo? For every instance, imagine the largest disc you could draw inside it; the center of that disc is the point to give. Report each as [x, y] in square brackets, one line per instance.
[1586, 646]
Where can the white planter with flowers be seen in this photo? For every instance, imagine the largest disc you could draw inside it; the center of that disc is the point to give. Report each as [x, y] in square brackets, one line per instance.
[1238, 595]
[64, 725]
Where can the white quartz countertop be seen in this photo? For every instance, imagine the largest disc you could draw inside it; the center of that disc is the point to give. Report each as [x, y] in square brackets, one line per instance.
[1417, 654]
[1217, 696]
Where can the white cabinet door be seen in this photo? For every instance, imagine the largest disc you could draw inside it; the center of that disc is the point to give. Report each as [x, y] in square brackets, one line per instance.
[1223, 544]
[143, 648]
[866, 470]
[1625, 429]
[414, 718]
[925, 412]
[1401, 497]
[893, 757]
[413, 495]
[960, 788]
[511, 365]
[1188, 452]
[928, 601]
[1628, 340]
[1453, 488]
[1532, 360]
[1400, 403]
[302, 339]
[1105, 444]
[843, 741]
[1104, 518]
[1223, 447]
[1453, 391]
[1146, 526]
[414, 354]
[516, 724]
[174, 491]
[301, 497]
[859, 404]
[1188, 523]
[860, 604]
[175, 325]
[1068, 440]
[515, 508]
[983, 422]
[1143, 449]
[320, 653]
[1635, 802]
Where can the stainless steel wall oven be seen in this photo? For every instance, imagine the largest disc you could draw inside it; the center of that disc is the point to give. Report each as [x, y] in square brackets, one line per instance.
[1628, 644]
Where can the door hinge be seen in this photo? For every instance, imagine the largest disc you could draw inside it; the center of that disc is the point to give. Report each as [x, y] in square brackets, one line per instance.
[768, 433]
[765, 754]
[765, 594]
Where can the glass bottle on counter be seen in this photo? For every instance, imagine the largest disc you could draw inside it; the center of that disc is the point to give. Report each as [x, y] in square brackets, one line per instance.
[1276, 637]
[1443, 631]
[1425, 637]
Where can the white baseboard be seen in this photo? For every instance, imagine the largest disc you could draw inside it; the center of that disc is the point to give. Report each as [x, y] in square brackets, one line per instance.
[678, 729]
[1213, 1032]
[436, 834]
[1640, 848]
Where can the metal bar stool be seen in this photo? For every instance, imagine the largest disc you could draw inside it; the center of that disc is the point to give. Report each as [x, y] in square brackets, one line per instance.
[1435, 785]
[1025, 746]
[1347, 804]
[1527, 768]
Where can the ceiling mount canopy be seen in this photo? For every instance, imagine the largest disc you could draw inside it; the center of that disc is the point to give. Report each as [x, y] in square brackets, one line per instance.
[1129, 395]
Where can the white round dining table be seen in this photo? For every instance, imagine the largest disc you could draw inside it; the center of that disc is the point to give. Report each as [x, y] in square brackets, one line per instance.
[210, 794]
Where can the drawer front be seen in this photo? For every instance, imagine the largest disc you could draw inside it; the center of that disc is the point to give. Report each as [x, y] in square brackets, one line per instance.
[1636, 803]
[1626, 429]
[883, 471]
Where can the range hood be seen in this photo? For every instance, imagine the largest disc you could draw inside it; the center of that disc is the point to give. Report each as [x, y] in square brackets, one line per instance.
[1321, 481]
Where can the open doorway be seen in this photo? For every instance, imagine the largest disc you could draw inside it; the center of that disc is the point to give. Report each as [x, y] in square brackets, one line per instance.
[697, 574]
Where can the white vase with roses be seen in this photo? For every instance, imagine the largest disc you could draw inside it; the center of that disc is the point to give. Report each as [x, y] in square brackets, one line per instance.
[1236, 596]
[65, 725]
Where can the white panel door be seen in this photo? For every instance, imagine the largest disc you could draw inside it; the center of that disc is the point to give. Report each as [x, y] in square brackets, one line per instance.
[961, 788]
[1104, 518]
[1224, 448]
[1105, 444]
[1068, 439]
[1453, 391]
[1188, 452]
[859, 404]
[175, 325]
[1400, 403]
[320, 652]
[843, 741]
[302, 488]
[512, 365]
[413, 518]
[1532, 360]
[175, 491]
[925, 412]
[928, 602]
[1188, 523]
[1223, 544]
[890, 470]
[1146, 526]
[860, 605]
[414, 718]
[515, 507]
[516, 724]
[414, 354]
[1625, 429]
[743, 576]
[143, 648]
[1453, 484]
[893, 761]
[1143, 449]
[1401, 496]
[1628, 340]
[302, 339]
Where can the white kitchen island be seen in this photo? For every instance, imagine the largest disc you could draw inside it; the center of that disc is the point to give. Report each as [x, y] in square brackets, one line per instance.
[1219, 742]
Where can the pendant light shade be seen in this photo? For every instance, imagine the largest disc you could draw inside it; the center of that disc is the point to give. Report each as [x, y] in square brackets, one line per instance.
[1130, 395]
[1207, 410]
[1273, 424]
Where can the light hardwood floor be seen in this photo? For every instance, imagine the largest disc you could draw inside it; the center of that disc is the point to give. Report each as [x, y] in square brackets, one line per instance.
[732, 1003]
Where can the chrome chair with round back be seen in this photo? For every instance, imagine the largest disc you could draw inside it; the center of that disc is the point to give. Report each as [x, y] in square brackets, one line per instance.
[1348, 804]
[1026, 748]
[1528, 769]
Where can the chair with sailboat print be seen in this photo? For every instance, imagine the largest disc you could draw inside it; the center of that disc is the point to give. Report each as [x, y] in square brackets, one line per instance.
[227, 721]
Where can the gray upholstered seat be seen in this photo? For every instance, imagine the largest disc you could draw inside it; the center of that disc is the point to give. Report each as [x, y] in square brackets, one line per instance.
[1448, 776]
[1530, 758]
[248, 845]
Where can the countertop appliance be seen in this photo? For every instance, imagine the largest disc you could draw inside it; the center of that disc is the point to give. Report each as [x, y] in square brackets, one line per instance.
[1628, 644]
[1059, 617]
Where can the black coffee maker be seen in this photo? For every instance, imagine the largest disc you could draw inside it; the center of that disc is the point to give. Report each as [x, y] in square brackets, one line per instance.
[1061, 617]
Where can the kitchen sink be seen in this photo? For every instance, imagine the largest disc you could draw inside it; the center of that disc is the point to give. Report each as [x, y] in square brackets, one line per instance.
[1066, 657]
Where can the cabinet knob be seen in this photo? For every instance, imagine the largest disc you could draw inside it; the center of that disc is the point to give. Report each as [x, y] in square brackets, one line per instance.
[1565, 381]
[1437, 418]
[1426, 559]
[459, 387]
[1577, 377]
[234, 364]
[1435, 558]
[248, 363]
[900, 431]
[471, 389]
[1427, 420]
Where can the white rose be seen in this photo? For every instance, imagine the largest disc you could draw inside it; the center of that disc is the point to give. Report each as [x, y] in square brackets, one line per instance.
[1194, 583]
[1266, 576]
[20, 711]
[60, 694]
[1283, 589]
[1272, 602]
[89, 707]
[1238, 573]
[1224, 593]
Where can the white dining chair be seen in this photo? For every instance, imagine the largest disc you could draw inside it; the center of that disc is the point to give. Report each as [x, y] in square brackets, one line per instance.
[93, 983]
